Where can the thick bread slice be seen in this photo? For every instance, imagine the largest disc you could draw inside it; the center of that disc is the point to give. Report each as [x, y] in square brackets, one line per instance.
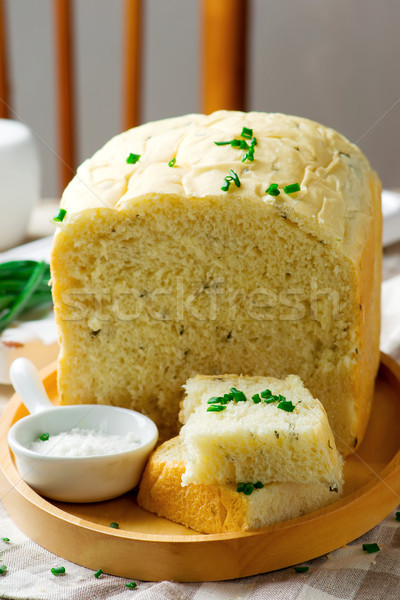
[220, 508]
[250, 441]
[161, 272]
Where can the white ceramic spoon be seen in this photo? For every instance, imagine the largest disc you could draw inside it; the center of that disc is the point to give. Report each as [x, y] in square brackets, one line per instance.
[75, 479]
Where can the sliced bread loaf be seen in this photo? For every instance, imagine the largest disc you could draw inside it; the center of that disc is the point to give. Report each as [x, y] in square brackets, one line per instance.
[249, 429]
[221, 508]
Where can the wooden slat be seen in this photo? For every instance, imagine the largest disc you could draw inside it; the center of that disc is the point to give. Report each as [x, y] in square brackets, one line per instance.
[65, 89]
[223, 54]
[131, 92]
[4, 85]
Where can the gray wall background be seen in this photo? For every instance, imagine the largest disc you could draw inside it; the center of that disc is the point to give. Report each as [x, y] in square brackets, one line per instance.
[335, 61]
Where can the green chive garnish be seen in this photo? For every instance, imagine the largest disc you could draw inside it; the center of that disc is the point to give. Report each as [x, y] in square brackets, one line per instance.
[114, 525]
[247, 133]
[60, 217]
[301, 569]
[214, 400]
[238, 396]
[398, 516]
[256, 399]
[98, 573]
[58, 570]
[228, 397]
[240, 487]
[172, 162]
[370, 548]
[131, 585]
[248, 489]
[3, 569]
[224, 143]
[266, 394]
[5, 539]
[272, 190]
[292, 188]
[228, 180]
[44, 437]
[216, 408]
[133, 158]
[286, 405]
[259, 485]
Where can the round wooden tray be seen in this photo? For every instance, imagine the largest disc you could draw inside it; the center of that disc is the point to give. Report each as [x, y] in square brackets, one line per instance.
[151, 548]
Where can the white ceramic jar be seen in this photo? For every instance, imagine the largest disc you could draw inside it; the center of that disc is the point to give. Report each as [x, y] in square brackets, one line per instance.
[19, 181]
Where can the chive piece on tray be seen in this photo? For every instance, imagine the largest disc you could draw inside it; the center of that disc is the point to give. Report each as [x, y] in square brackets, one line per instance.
[114, 525]
[98, 573]
[370, 548]
[5, 539]
[60, 217]
[58, 570]
[44, 437]
[133, 158]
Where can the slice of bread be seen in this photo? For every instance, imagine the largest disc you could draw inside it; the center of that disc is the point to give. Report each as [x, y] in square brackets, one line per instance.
[163, 269]
[220, 508]
[256, 439]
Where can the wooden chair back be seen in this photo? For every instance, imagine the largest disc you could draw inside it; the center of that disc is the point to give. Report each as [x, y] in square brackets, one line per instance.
[223, 66]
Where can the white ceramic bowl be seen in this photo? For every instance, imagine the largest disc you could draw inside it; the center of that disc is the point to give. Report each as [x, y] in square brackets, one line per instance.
[76, 479]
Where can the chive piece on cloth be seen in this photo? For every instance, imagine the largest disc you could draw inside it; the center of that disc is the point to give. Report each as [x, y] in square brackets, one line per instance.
[3, 569]
[292, 188]
[24, 296]
[370, 548]
[131, 585]
[58, 570]
[98, 573]
[172, 162]
[301, 569]
[133, 158]
[44, 437]
[286, 405]
[272, 190]
[114, 525]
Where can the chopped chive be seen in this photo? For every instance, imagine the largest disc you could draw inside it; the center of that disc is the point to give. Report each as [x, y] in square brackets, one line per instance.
[266, 394]
[398, 516]
[223, 143]
[5, 539]
[131, 585]
[98, 573]
[114, 525]
[271, 400]
[259, 485]
[370, 548]
[248, 489]
[281, 398]
[286, 405]
[3, 569]
[247, 133]
[228, 397]
[44, 437]
[229, 178]
[172, 162]
[240, 487]
[238, 396]
[58, 570]
[292, 188]
[60, 217]
[216, 408]
[215, 400]
[133, 158]
[256, 399]
[301, 569]
[272, 190]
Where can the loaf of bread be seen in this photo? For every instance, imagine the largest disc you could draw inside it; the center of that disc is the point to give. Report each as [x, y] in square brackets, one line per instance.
[267, 430]
[195, 257]
[221, 508]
